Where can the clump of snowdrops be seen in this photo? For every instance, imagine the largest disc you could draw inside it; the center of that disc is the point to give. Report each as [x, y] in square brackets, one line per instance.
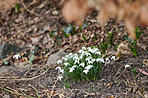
[84, 66]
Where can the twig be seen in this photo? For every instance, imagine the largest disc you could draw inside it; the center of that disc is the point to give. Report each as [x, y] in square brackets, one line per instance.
[32, 12]
[53, 87]
[26, 79]
[14, 93]
[35, 91]
[118, 71]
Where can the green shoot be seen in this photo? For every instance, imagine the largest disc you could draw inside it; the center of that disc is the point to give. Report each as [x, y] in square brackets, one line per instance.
[110, 38]
[138, 33]
[104, 47]
[133, 47]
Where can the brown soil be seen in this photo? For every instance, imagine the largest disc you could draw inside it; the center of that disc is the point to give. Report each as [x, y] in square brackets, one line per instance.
[21, 27]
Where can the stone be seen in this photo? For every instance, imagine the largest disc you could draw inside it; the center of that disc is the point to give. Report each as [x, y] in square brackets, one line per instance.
[7, 49]
[52, 59]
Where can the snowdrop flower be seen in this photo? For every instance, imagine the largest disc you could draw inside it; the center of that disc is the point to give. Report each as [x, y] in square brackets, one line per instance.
[62, 71]
[88, 59]
[67, 56]
[87, 54]
[86, 71]
[98, 52]
[59, 61]
[70, 54]
[17, 56]
[93, 60]
[72, 68]
[80, 51]
[77, 61]
[75, 58]
[113, 58]
[63, 58]
[107, 59]
[76, 55]
[59, 68]
[100, 60]
[127, 66]
[89, 62]
[88, 48]
[60, 77]
[82, 64]
[96, 49]
[88, 67]
[92, 51]
[66, 64]
[83, 48]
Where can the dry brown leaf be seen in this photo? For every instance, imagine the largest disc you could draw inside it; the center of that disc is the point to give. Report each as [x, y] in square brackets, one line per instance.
[123, 49]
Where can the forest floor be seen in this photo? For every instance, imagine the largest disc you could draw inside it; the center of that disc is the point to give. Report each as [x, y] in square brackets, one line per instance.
[38, 28]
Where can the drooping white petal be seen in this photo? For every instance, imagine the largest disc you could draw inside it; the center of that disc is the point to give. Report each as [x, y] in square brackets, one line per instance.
[86, 71]
[60, 77]
[107, 59]
[113, 58]
[127, 66]
[100, 60]
[17, 56]
[82, 64]
[59, 68]
[66, 64]
[59, 61]
[88, 67]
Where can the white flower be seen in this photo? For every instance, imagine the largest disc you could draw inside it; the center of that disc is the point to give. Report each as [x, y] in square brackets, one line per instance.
[88, 48]
[98, 52]
[113, 58]
[77, 61]
[86, 71]
[82, 64]
[72, 68]
[91, 50]
[100, 60]
[63, 58]
[87, 54]
[80, 51]
[70, 54]
[96, 49]
[93, 60]
[67, 56]
[107, 59]
[127, 66]
[83, 48]
[60, 77]
[89, 62]
[17, 56]
[87, 59]
[74, 58]
[59, 61]
[62, 71]
[76, 55]
[88, 67]
[66, 64]
[59, 68]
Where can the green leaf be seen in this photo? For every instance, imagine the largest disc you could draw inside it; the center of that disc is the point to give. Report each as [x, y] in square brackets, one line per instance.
[84, 37]
[138, 33]
[17, 7]
[110, 38]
